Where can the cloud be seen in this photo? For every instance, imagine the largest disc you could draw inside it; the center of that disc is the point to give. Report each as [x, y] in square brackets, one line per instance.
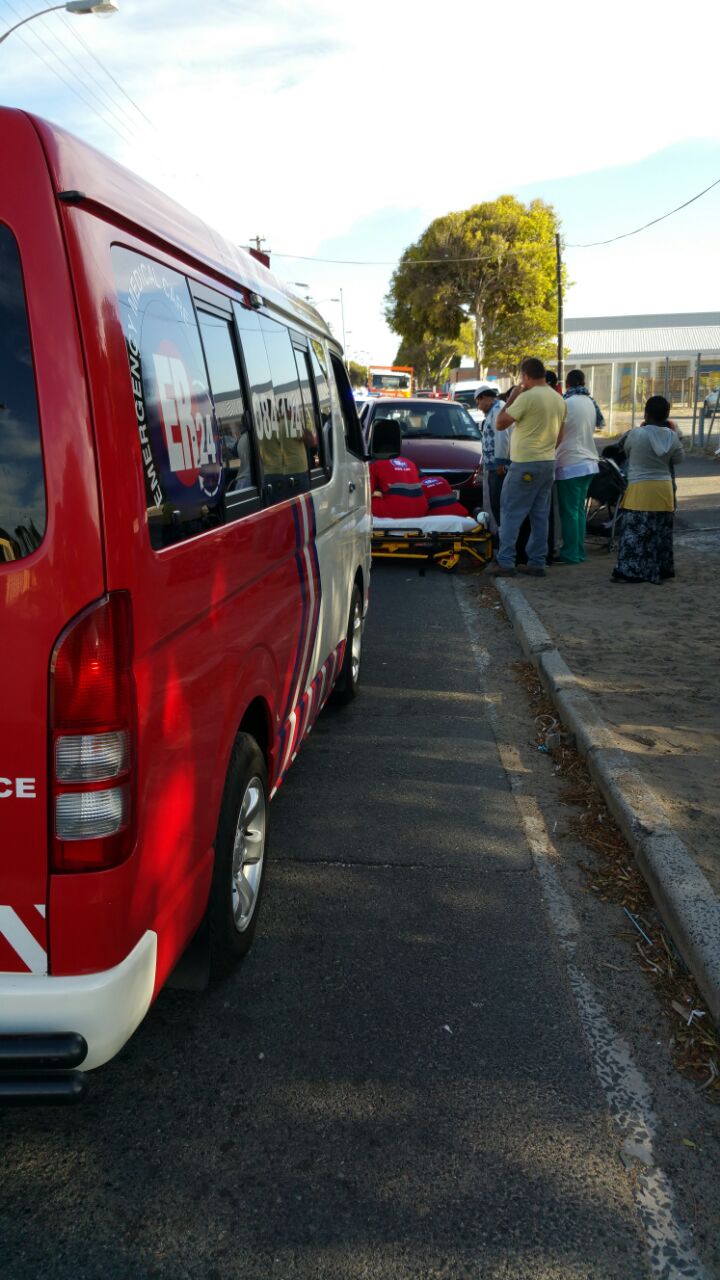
[303, 123]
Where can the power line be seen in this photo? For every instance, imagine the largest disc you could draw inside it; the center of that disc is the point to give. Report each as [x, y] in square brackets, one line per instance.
[107, 102]
[424, 262]
[107, 71]
[364, 262]
[125, 128]
[125, 137]
[645, 225]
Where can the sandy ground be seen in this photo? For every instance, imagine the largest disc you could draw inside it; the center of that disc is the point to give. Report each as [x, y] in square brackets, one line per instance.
[649, 656]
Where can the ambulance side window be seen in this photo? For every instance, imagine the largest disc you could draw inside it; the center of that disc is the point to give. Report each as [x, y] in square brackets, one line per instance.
[319, 367]
[231, 411]
[353, 433]
[311, 434]
[262, 403]
[289, 407]
[179, 436]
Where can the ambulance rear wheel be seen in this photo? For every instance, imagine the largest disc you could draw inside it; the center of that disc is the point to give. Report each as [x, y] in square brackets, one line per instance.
[240, 846]
[347, 684]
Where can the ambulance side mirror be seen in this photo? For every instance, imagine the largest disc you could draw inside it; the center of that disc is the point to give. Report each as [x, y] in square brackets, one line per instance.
[385, 439]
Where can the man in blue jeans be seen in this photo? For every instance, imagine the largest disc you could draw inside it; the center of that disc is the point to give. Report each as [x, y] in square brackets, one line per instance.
[536, 413]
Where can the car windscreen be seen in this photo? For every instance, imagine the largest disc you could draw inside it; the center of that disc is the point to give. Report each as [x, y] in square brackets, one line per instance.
[425, 420]
[390, 381]
[465, 397]
[22, 482]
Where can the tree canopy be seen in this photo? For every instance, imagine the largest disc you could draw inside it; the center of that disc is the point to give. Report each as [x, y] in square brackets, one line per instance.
[431, 358]
[508, 288]
[357, 373]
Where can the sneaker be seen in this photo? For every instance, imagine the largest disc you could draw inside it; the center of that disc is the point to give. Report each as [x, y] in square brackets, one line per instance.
[499, 571]
[533, 570]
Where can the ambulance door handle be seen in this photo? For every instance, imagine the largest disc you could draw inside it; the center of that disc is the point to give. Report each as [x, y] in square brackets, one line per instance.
[351, 486]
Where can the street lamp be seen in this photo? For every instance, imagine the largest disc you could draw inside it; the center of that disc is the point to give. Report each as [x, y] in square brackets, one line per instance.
[71, 6]
[342, 314]
[301, 284]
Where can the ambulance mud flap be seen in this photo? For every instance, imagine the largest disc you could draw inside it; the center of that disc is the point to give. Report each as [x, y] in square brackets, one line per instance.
[42, 1069]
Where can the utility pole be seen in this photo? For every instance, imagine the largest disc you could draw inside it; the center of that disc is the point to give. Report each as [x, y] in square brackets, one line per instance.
[257, 251]
[560, 314]
[342, 317]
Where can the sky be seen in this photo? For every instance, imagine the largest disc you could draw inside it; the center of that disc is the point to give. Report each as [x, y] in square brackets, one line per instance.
[340, 131]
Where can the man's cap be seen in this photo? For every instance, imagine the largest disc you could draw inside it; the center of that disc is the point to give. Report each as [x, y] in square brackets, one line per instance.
[485, 391]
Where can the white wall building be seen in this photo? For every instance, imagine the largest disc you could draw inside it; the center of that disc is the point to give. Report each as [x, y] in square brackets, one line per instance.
[625, 359]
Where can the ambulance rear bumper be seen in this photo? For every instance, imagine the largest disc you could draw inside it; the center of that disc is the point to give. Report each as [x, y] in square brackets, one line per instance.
[104, 1008]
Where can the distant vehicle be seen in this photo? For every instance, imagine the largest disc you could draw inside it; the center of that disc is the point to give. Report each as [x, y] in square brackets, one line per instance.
[426, 394]
[440, 437]
[465, 393]
[390, 380]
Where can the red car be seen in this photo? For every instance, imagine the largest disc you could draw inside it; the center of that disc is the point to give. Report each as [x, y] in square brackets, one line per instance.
[440, 437]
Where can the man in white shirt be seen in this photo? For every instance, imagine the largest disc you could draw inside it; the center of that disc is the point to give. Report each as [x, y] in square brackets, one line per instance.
[576, 462]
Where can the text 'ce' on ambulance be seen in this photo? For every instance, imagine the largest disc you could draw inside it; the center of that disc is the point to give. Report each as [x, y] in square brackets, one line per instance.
[184, 573]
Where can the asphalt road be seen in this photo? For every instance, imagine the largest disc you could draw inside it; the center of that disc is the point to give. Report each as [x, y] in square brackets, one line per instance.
[395, 1084]
[698, 481]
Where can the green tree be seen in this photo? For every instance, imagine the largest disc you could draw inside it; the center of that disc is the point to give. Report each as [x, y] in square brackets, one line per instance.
[496, 266]
[432, 358]
[357, 374]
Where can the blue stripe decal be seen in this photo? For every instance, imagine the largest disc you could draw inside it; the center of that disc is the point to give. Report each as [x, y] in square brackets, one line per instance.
[303, 619]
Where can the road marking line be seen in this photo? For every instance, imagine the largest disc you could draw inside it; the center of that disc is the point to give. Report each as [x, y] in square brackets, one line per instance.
[627, 1092]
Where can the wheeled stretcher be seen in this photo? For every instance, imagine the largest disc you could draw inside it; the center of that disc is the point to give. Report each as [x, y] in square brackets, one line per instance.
[441, 540]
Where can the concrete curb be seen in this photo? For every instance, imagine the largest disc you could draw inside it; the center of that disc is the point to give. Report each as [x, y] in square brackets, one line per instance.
[682, 894]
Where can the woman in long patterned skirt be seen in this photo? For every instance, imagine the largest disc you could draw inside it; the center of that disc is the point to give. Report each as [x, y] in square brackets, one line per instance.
[645, 550]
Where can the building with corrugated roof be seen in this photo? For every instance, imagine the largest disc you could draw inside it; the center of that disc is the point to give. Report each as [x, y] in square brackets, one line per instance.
[625, 359]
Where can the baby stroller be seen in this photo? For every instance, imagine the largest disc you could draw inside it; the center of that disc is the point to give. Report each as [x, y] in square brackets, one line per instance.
[603, 512]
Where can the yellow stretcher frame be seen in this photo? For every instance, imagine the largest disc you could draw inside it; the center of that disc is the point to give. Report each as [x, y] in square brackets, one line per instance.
[443, 549]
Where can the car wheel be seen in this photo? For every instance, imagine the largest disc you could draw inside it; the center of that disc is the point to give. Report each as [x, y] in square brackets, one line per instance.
[240, 849]
[348, 682]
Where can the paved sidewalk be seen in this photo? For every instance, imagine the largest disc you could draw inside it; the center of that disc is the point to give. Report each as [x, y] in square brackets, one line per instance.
[648, 658]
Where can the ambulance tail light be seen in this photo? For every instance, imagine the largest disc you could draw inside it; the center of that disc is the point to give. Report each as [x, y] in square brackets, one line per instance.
[92, 725]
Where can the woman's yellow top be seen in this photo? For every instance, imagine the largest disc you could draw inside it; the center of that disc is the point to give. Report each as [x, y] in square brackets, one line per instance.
[649, 495]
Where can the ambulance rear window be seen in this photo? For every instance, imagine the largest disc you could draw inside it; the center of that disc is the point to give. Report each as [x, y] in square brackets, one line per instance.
[22, 484]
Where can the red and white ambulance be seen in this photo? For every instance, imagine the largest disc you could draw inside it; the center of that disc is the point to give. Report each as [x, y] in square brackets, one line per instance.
[184, 571]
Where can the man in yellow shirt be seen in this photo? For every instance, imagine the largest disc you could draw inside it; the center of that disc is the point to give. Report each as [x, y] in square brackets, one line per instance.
[536, 414]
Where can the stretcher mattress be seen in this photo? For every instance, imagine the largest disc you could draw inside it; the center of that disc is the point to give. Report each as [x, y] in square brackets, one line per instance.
[429, 524]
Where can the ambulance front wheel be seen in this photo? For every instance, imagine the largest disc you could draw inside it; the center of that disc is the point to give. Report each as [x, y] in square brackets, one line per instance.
[240, 846]
[348, 682]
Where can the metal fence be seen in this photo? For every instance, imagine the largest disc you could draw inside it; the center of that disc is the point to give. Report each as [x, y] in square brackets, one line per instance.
[692, 387]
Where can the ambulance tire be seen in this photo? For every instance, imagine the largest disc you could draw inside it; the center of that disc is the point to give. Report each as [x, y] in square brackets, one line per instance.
[347, 684]
[240, 856]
